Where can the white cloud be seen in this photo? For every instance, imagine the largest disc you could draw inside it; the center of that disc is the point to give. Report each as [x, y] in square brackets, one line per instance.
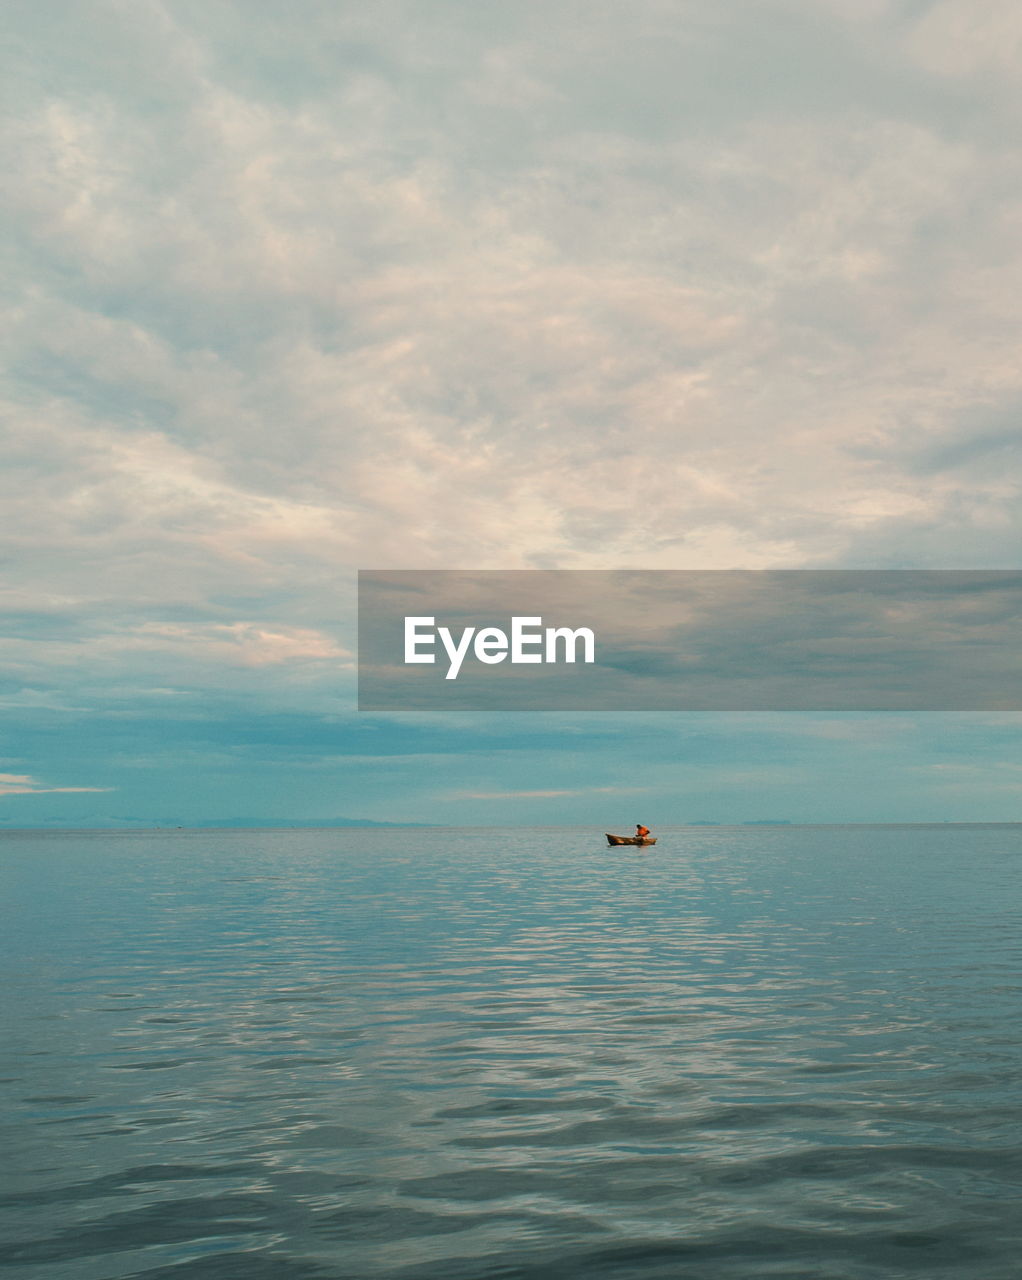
[244, 643]
[210, 645]
[959, 38]
[21, 784]
[549, 794]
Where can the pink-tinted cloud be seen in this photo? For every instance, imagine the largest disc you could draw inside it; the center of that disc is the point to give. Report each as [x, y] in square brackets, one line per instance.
[22, 784]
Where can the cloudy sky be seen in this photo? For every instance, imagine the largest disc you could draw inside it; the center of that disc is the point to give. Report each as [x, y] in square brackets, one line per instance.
[298, 290]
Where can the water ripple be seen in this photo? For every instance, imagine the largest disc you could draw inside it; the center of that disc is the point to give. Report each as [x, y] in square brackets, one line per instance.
[456, 1054]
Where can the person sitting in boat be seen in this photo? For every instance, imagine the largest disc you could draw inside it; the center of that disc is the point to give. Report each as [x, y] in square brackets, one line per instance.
[641, 832]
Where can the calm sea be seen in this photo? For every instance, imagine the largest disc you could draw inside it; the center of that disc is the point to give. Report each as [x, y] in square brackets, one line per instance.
[450, 1054]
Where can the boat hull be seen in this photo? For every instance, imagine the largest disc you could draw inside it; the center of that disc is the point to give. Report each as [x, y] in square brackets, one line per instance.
[642, 840]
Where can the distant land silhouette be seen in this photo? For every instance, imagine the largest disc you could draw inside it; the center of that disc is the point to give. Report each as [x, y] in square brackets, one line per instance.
[205, 824]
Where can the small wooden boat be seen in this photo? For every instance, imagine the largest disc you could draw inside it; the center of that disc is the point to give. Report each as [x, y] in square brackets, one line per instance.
[629, 839]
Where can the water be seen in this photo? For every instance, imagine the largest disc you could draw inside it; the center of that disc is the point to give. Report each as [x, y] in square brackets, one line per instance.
[456, 1054]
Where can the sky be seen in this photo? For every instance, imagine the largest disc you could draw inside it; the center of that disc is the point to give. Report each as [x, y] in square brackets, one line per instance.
[676, 285]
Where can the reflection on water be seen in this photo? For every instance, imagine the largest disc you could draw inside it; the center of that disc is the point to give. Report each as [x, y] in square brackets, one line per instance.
[467, 1053]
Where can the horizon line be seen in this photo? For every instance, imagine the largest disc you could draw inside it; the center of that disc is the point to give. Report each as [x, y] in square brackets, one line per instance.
[496, 826]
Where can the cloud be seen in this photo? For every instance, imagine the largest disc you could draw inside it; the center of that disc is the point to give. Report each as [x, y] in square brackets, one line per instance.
[21, 784]
[955, 38]
[189, 651]
[516, 314]
[244, 643]
[549, 794]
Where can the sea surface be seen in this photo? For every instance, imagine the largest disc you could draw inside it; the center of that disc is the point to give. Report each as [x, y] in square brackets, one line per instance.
[449, 1054]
